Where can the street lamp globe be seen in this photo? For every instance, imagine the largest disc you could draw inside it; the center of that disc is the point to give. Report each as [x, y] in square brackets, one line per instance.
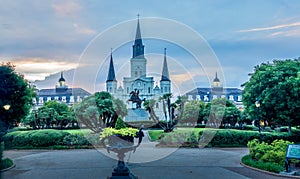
[6, 107]
[257, 104]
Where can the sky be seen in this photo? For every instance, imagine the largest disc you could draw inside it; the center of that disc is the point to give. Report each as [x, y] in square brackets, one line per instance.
[43, 38]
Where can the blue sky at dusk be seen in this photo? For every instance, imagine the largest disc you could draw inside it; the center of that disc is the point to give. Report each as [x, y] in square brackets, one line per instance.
[46, 37]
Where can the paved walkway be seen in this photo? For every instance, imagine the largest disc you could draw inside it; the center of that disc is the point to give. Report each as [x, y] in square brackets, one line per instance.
[147, 162]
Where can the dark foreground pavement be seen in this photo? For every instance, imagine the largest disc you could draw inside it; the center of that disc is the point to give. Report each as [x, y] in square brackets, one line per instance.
[182, 163]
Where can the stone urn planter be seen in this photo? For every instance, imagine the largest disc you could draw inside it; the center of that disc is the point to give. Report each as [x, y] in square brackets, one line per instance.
[121, 142]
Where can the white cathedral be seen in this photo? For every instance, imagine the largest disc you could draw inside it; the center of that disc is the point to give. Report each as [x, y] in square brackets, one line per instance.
[139, 82]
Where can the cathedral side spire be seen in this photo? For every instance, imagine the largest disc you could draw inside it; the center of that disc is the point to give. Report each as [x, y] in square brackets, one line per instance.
[217, 82]
[61, 83]
[111, 72]
[138, 47]
[165, 71]
[61, 77]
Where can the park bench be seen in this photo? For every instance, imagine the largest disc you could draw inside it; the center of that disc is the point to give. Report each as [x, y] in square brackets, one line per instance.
[292, 152]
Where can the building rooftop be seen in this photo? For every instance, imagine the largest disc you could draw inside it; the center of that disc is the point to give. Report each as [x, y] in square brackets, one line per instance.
[66, 92]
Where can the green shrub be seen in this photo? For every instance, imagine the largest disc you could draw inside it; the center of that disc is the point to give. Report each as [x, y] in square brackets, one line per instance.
[282, 129]
[266, 156]
[120, 123]
[179, 138]
[75, 139]
[232, 137]
[35, 138]
[220, 137]
[267, 129]
[273, 153]
[268, 166]
[6, 163]
[94, 139]
[250, 128]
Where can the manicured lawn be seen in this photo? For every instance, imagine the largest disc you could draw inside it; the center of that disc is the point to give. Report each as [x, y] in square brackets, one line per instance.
[154, 134]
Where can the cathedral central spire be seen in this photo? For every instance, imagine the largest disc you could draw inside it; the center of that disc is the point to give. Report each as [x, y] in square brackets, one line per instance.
[138, 47]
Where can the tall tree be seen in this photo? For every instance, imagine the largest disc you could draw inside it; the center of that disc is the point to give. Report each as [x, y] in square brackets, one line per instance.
[100, 110]
[220, 111]
[16, 92]
[193, 112]
[168, 109]
[276, 86]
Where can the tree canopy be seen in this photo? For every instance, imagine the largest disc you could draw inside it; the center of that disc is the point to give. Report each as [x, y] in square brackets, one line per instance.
[100, 110]
[16, 92]
[52, 114]
[276, 86]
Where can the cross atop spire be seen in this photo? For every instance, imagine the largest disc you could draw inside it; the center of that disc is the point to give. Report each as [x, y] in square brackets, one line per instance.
[138, 47]
[111, 71]
[165, 72]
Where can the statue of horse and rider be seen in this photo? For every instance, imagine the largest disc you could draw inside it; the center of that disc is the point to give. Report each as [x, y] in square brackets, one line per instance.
[134, 98]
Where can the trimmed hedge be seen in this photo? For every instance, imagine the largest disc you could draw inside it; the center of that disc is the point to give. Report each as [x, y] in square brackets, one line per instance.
[36, 138]
[50, 138]
[178, 139]
[222, 137]
[233, 137]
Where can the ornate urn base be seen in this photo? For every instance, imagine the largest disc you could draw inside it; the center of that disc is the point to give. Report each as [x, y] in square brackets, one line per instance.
[121, 145]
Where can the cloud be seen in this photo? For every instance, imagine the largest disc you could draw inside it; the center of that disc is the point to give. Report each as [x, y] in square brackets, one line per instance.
[290, 33]
[84, 30]
[295, 24]
[66, 8]
[39, 68]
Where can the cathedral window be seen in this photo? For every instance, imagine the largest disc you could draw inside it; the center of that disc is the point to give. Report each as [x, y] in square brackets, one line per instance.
[149, 90]
[136, 74]
[127, 89]
[166, 89]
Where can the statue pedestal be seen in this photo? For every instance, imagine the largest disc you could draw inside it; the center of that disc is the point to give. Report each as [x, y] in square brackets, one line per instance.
[137, 115]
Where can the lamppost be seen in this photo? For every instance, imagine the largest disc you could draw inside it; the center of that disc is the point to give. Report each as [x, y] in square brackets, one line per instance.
[6, 108]
[257, 104]
[3, 129]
